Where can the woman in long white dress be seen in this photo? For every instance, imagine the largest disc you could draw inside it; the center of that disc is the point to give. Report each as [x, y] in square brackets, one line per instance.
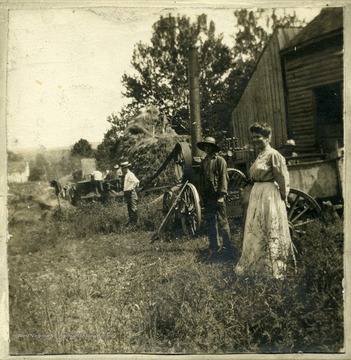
[267, 244]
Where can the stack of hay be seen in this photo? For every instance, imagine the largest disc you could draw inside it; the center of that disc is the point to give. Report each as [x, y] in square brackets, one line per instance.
[147, 142]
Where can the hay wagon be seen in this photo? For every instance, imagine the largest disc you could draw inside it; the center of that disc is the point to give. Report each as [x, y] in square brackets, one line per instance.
[88, 191]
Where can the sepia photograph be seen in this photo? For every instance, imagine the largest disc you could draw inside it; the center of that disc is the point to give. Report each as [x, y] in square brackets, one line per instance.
[174, 179]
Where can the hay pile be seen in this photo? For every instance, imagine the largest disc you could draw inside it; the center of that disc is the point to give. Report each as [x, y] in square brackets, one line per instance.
[147, 142]
[147, 154]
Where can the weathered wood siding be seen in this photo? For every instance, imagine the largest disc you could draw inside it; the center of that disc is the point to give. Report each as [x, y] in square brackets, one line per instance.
[263, 98]
[303, 73]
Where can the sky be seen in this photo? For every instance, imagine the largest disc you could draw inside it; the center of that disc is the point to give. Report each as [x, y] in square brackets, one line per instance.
[65, 68]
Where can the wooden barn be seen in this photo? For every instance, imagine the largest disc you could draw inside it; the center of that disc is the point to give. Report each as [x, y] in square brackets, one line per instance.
[297, 88]
[313, 72]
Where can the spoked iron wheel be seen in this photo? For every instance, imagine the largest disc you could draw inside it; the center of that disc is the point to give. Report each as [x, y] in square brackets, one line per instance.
[189, 210]
[302, 210]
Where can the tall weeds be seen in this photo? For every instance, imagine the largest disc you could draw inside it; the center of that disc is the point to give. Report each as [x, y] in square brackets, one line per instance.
[81, 282]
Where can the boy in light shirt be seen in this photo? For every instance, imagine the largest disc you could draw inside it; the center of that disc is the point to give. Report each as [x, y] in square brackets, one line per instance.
[130, 183]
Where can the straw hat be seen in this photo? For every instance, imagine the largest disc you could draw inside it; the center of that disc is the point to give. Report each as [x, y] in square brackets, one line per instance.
[209, 140]
[125, 164]
[290, 142]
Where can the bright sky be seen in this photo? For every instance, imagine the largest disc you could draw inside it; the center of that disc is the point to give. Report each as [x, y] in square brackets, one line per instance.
[65, 68]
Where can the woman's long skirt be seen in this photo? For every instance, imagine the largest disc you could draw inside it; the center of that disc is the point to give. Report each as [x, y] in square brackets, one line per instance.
[267, 243]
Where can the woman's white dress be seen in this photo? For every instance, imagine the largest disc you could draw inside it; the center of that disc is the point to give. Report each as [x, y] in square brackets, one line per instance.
[267, 243]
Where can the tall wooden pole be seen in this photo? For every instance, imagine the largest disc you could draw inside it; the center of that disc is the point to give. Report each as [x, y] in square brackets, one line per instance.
[195, 119]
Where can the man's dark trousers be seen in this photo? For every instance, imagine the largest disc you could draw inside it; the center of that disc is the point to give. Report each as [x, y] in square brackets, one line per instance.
[217, 224]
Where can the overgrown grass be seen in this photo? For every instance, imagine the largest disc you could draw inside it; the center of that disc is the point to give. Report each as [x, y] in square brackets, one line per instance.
[81, 282]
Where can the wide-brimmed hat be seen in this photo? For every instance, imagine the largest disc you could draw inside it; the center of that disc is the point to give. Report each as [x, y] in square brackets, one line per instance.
[209, 140]
[290, 142]
[125, 164]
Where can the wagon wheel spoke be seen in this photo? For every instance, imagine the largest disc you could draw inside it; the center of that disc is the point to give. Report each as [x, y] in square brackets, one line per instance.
[303, 210]
[293, 207]
[301, 213]
[188, 214]
[189, 210]
[304, 223]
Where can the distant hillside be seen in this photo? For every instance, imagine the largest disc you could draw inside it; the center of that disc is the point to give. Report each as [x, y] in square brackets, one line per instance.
[52, 155]
[30, 153]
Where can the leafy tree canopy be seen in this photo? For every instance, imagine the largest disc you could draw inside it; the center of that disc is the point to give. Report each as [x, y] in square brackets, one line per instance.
[106, 151]
[39, 168]
[161, 69]
[82, 148]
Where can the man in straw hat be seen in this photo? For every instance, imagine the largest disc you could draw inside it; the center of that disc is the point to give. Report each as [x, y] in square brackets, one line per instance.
[289, 151]
[213, 189]
[130, 183]
[118, 175]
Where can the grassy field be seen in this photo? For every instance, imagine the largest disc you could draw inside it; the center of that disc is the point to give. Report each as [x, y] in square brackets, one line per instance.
[81, 282]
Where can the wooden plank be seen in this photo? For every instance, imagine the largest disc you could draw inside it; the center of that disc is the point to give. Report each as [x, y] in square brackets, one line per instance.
[301, 113]
[315, 71]
[313, 82]
[312, 58]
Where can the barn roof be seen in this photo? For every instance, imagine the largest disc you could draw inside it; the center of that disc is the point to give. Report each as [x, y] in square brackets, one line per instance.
[328, 22]
[16, 166]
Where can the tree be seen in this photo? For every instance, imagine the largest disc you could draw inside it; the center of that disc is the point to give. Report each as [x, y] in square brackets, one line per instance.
[160, 76]
[161, 69]
[82, 148]
[106, 151]
[39, 169]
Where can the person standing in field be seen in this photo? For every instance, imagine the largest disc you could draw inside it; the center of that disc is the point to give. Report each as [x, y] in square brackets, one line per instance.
[130, 183]
[117, 176]
[96, 179]
[213, 189]
[267, 244]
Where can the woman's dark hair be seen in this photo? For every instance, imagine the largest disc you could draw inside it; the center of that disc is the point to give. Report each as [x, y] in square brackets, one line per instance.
[262, 129]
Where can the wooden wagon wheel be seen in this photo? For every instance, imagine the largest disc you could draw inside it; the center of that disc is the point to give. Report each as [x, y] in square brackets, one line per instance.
[237, 197]
[189, 210]
[182, 161]
[302, 209]
[183, 207]
[237, 179]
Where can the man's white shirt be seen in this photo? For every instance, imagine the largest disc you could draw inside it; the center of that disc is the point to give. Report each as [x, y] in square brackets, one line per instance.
[130, 181]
